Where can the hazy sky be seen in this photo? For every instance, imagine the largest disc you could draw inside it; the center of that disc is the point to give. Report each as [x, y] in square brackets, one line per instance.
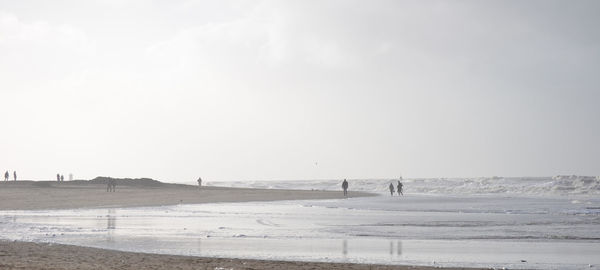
[240, 90]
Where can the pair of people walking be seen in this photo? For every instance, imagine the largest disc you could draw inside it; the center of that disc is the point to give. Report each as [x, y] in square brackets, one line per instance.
[7, 175]
[399, 188]
[111, 185]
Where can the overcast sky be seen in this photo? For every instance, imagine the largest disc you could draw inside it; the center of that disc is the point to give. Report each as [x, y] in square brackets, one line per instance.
[249, 90]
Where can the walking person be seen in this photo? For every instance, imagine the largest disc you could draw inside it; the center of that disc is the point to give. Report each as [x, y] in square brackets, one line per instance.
[6, 175]
[111, 185]
[400, 186]
[199, 182]
[392, 189]
[57, 177]
[345, 187]
[62, 178]
[15, 175]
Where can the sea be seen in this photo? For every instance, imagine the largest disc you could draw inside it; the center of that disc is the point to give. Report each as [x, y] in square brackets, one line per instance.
[489, 222]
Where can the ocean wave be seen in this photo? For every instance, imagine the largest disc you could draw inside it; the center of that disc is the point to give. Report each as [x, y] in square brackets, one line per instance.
[557, 185]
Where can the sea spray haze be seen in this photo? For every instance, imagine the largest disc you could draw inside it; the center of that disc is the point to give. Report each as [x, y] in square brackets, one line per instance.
[557, 185]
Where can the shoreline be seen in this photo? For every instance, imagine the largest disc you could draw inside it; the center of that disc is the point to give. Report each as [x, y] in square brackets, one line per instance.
[38, 256]
[51, 195]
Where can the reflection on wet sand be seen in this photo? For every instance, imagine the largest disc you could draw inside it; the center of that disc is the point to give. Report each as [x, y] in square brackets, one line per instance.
[111, 219]
[399, 250]
[390, 249]
[111, 224]
[304, 233]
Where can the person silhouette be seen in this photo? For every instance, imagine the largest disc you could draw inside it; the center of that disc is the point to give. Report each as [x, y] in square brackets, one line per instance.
[6, 175]
[199, 182]
[62, 178]
[57, 177]
[392, 189]
[400, 185]
[15, 175]
[345, 187]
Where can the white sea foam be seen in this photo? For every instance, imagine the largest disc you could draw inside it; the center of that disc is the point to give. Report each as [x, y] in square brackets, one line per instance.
[557, 185]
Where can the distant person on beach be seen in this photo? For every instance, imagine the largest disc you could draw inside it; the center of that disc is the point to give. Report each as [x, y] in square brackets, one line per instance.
[62, 178]
[111, 185]
[199, 182]
[400, 185]
[6, 175]
[57, 177]
[345, 187]
[15, 175]
[392, 189]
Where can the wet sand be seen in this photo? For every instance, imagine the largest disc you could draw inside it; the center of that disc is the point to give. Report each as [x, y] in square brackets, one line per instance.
[31, 195]
[23, 255]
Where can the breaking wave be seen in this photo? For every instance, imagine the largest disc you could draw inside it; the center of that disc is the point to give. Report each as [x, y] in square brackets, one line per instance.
[557, 185]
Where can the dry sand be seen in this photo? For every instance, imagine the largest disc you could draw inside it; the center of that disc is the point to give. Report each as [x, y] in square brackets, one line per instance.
[29, 195]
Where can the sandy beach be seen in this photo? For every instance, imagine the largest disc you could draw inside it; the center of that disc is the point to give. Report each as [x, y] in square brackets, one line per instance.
[30, 195]
[23, 255]
[34, 195]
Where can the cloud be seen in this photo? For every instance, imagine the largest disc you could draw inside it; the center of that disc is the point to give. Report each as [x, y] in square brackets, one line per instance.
[369, 85]
[274, 35]
[38, 51]
[17, 32]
